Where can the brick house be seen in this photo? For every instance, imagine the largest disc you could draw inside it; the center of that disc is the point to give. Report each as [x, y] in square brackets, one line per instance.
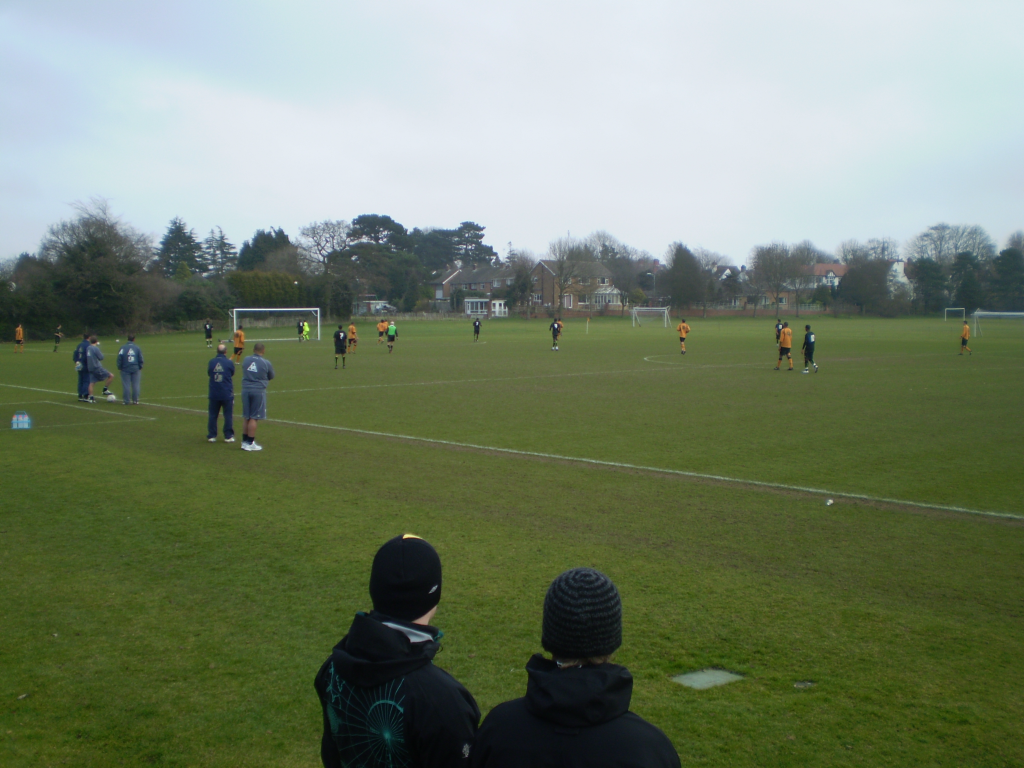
[589, 287]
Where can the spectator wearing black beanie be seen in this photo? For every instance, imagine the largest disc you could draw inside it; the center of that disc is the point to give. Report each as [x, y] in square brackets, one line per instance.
[384, 702]
[576, 708]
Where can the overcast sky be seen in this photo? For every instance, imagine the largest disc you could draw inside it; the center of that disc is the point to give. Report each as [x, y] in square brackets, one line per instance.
[722, 125]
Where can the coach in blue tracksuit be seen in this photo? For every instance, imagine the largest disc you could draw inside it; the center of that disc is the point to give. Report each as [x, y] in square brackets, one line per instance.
[129, 363]
[81, 365]
[221, 370]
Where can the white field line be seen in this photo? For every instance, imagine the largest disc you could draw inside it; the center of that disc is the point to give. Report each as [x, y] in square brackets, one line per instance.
[622, 465]
[615, 464]
[99, 412]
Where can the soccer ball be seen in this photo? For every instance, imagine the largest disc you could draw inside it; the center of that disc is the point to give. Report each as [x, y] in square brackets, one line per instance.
[111, 398]
[117, 341]
[829, 503]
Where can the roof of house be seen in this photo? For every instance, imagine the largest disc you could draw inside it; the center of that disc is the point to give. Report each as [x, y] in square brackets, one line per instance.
[583, 268]
[822, 270]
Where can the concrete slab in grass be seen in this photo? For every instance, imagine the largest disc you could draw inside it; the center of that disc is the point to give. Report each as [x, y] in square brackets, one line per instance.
[706, 678]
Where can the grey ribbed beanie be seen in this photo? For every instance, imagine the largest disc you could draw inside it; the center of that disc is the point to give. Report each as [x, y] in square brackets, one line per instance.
[582, 615]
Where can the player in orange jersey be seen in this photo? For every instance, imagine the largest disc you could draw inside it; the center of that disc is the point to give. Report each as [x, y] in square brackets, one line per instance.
[238, 340]
[785, 346]
[965, 335]
[684, 330]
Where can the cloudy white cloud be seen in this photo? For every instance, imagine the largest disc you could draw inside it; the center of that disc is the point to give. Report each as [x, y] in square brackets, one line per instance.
[722, 125]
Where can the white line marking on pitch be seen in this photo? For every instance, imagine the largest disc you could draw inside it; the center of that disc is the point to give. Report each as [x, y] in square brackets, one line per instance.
[621, 465]
[603, 463]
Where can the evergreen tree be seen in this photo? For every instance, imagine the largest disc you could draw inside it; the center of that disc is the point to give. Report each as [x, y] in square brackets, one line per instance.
[220, 253]
[254, 253]
[179, 246]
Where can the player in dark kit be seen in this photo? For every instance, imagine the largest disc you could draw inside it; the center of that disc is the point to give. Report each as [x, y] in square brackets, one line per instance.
[476, 330]
[208, 333]
[298, 325]
[778, 331]
[57, 336]
[340, 346]
[556, 331]
[808, 348]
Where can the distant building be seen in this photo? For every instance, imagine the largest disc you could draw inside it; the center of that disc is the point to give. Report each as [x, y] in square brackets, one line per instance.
[590, 286]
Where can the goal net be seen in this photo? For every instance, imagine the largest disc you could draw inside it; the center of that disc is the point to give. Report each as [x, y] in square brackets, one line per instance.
[981, 314]
[276, 323]
[957, 312]
[654, 314]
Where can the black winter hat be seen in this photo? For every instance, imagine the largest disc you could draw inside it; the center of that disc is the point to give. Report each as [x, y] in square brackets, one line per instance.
[405, 581]
[582, 615]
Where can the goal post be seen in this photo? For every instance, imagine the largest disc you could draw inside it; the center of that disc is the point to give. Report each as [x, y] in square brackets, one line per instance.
[652, 312]
[275, 323]
[954, 310]
[979, 314]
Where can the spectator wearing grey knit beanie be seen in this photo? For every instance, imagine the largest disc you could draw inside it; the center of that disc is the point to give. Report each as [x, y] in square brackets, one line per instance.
[576, 708]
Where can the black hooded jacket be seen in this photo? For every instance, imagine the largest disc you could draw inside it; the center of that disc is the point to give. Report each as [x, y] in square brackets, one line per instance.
[572, 718]
[386, 704]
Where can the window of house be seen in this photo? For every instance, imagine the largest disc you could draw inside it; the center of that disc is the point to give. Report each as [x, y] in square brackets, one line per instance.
[603, 280]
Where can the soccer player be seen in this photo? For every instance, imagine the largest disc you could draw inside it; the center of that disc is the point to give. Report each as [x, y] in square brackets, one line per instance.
[382, 328]
[57, 336]
[476, 329]
[129, 363]
[561, 325]
[340, 345]
[305, 330]
[353, 340]
[97, 373]
[239, 342]
[556, 331]
[221, 394]
[81, 365]
[392, 335]
[965, 335]
[19, 339]
[808, 348]
[256, 374]
[785, 346]
[778, 330]
[298, 327]
[208, 333]
[684, 331]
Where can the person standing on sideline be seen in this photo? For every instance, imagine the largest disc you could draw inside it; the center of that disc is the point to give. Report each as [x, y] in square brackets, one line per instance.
[384, 702]
[298, 327]
[97, 373]
[19, 339]
[222, 395]
[808, 349]
[305, 330]
[353, 339]
[129, 363]
[476, 329]
[82, 366]
[684, 330]
[57, 336]
[238, 339]
[340, 346]
[556, 331]
[208, 333]
[392, 335]
[785, 346]
[965, 336]
[256, 374]
[576, 708]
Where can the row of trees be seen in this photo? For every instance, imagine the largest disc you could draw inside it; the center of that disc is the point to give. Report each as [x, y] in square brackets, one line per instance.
[97, 271]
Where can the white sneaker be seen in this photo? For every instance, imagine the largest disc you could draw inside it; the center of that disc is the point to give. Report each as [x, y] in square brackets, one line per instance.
[245, 447]
[255, 447]
[211, 439]
[229, 439]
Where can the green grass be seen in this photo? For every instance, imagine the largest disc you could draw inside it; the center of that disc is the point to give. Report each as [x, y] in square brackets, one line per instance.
[167, 601]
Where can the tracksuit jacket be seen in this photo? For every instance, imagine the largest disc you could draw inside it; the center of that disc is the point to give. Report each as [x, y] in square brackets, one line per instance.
[572, 718]
[386, 704]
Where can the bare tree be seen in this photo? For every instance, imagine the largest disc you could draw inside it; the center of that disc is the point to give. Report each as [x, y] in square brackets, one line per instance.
[708, 262]
[566, 255]
[319, 245]
[803, 257]
[943, 242]
[1016, 240]
[774, 267]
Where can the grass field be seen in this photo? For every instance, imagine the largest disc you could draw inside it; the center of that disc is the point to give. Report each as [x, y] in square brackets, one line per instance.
[168, 601]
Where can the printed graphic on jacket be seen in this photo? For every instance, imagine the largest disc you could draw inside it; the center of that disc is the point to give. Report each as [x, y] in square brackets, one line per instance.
[367, 723]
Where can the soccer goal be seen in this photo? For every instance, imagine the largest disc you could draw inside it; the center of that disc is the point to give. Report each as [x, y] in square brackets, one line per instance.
[954, 310]
[980, 314]
[654, 313]
[275, 323]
